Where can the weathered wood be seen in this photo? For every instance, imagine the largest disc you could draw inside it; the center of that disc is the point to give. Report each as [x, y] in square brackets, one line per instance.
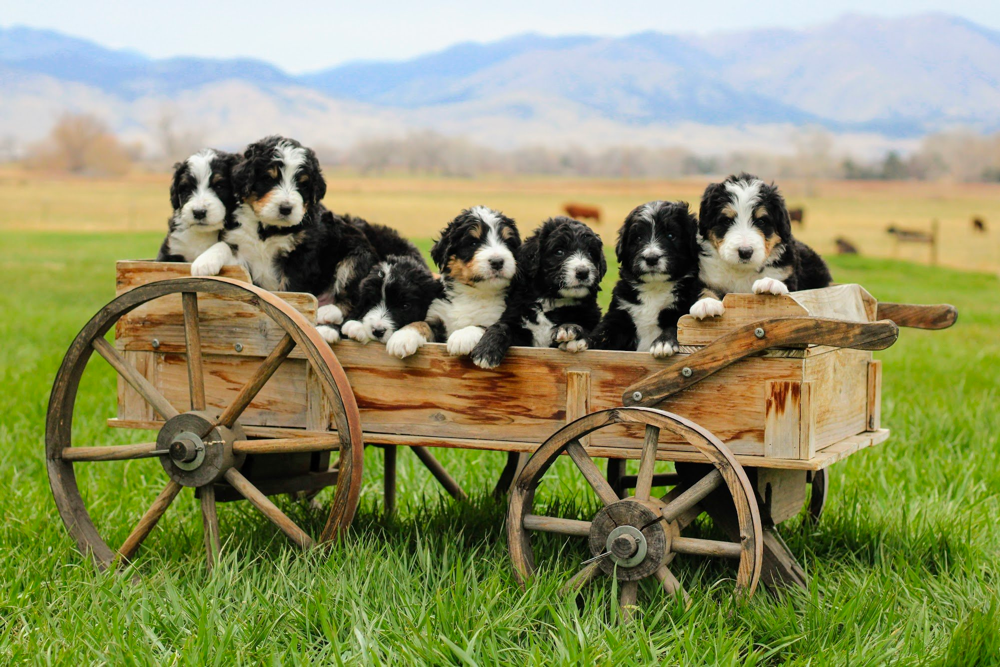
[693, 495]
[306, 483]
[389, 480]
[647, 463]
[149, 520]
[782, 494]
[192, 342]
[916, 316]
[590, 472]
[131, 405]
[836, 400]
[629, 595]
[699, 547]
[873, 411]
[743, 342]
[322, 443]
[507, 475]
[210, 524]
[577, 397]
[255, 383]
[440, 474]
[588, 573]
[551, 524]
[268, 509]
[670, 583]
[132, 376]
[142, 450]
[786, 408]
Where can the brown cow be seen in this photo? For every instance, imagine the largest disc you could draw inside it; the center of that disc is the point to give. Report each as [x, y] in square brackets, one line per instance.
[978, 225]
[581, 211]
[845, 247]
[796, 215]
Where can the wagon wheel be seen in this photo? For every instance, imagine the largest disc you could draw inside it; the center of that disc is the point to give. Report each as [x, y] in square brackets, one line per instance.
[198, 447]
[637, 537]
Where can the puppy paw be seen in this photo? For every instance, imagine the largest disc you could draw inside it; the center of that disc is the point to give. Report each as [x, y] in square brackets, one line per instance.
[463, 341]
[330, 334]
[578, 345]
[486, 358]
[770, 286]
[355, 331]
[707, 308]
[329, 314]
[569, 332]
[208, 263]
[404, 342]
[663, 348]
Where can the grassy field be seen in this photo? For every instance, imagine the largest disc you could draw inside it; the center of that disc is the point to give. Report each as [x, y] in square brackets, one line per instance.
[904, 563]
[420, 206]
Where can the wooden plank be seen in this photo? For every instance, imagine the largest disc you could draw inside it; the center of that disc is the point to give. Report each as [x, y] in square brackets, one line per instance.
[133, 273]
[782, 414]
[839, 395]
[782, 493]
[807, 423]
[578, 398]
[873, 412]
[841, 302]
[131, 405]
[939, 316]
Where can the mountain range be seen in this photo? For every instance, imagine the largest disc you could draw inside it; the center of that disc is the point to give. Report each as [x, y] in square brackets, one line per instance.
[877, 80]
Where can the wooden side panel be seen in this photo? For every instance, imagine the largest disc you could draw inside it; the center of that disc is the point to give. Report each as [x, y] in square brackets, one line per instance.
[578, 398]
[132, 273]
[131, 405]
[782, 415]
[874, 412]
[839, 395]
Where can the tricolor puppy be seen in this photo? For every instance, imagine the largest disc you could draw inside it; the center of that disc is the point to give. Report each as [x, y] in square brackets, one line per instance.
[202, 198]
[553, 299]
[476, 258]
[747, 245]
[397, 292]
[658, 280]
[386, 241]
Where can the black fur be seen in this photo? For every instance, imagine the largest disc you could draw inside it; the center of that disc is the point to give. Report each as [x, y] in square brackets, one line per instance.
[538, 312]
[386, 240]
[182, 188]
[675, 264]
[396, 292]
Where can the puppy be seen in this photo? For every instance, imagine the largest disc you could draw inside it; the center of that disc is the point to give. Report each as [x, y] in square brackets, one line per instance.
[553, 299]
[386, 241]
[747, 245]
[202, 198]
[476, 258]
[284, 236]
[657, 254]
[397, 292]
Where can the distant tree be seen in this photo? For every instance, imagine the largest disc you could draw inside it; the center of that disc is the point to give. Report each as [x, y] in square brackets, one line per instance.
[893, 167]
[79, 144]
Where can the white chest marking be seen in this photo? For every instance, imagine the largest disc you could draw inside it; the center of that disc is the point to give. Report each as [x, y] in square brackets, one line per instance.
[259, 257]
[725, 277]
[653, 297]
[469, 306]
[541, 329]
[191, 242]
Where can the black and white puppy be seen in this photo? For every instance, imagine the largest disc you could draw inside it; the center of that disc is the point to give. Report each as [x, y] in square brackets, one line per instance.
[747, 245]
[553, 299]
[284, 236]
[386, 241]
[657, 253]
[201, 195]
[476, 258]
[397, 292]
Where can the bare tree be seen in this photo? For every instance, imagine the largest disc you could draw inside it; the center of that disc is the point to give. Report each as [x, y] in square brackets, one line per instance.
[79, 144]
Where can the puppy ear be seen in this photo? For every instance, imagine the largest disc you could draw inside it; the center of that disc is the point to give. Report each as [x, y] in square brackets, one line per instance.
[528, 259]
[175, 198]
[783, 223]
[714, 197]
[316, 173]
[622, 234]
[440, 249]
[245, 170]
[602, 261]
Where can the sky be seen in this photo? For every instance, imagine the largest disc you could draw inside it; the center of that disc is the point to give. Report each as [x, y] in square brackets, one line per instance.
[306, 36]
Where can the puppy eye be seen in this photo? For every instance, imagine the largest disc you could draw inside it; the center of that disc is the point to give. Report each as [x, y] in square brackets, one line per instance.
[380, 274]
[559, 252]
[670, 236]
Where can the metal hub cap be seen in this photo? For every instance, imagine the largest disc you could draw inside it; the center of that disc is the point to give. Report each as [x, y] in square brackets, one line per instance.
[187, 450]
[193, 459]
[627, 545]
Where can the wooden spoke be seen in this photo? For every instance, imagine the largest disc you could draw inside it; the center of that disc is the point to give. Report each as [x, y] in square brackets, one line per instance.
[693, 495]
[149, 520]
[630, 593]
[687, 517]
[644, 482]
[440, 474]
[142, 450]
[670, 583]
[192, 339]
[257, 382]
[593, 476]
[134, 378]
[699, 547]
[268, 509]
[551, 524]
[319, 443]
[210, 523]
[589, 572]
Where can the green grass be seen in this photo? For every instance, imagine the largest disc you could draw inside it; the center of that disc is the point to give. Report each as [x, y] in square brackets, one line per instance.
[904, 563]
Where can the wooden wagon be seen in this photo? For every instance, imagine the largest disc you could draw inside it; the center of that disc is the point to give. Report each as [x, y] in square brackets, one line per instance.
[247, 401]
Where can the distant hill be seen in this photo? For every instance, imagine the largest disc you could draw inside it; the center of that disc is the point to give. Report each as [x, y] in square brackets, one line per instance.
[884, 79]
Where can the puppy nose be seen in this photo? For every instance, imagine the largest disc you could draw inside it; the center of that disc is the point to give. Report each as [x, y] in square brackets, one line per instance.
[583, 274]
[651, 258]
[199, 213]
[497, 263]
[745, 251]
[378, 333]
[285, 209]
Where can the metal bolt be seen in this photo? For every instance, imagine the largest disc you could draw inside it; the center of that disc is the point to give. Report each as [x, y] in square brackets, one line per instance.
[636, 395]
[238, 347]
[687, 372]
[156, 343]
[758, 332]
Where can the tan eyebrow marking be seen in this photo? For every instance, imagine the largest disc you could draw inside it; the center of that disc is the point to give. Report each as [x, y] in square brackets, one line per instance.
[729, 211]
[216, 178]
[506, 233]
[760, 212]
[273, 172]
[303, 178]
[476, 232]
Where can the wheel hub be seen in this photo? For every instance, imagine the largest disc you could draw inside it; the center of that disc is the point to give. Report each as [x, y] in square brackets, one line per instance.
[198, 451]
[633, 537]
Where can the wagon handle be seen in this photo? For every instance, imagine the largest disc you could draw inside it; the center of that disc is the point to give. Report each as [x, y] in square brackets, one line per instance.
[753, 338]
[918, 316]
